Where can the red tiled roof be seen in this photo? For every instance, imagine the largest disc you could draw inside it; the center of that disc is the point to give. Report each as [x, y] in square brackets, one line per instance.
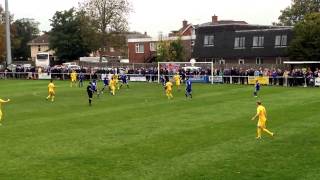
[43, 39]
[180, 31]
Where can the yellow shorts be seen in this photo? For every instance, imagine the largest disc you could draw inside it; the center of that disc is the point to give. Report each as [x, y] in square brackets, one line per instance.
[113, 88]
[262, 123]
[51, 93]
[178, 84]
[73, 80]
[168, 91]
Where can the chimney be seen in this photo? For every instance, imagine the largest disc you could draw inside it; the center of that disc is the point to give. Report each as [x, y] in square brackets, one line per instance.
[215, 19]
[145, 33]
[184, 23]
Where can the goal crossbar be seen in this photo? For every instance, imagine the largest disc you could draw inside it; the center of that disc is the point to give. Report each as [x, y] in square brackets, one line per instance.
[160, 63]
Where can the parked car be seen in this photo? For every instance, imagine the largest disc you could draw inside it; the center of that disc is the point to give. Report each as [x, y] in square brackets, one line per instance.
[73, 67]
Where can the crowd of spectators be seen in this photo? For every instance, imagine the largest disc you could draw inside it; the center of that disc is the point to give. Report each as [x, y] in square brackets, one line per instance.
[294, 77]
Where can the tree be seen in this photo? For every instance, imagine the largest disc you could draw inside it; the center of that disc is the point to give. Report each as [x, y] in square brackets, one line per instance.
[176, 50]
[297, 11]
[23, 31]
[170, 51]
[2, 36]
[2, 42]
[163, 51]
[88, 31]
[108, 16]
[306, 42]
[72, 35]
[118, 42]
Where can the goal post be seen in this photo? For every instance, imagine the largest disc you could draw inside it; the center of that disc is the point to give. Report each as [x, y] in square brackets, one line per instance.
[176, 66]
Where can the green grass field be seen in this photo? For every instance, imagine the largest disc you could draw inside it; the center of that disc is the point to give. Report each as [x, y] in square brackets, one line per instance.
[139, 134]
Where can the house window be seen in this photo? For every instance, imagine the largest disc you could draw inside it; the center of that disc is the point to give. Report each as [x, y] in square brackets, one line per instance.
[259, 60]
[222, 61]
[208, 40]
[153, 46]
[281, 41]
[241, 61]
[239, 42]
[258, 41]
[278, 60]
[39, 48]
[139, 48]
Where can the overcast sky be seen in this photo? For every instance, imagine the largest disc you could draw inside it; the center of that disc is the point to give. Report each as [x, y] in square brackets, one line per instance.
[153, 16]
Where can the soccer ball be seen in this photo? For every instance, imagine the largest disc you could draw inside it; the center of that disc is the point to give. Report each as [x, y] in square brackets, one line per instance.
[192, 62]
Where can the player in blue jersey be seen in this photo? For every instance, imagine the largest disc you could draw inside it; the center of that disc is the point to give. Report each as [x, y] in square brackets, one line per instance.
[188, 88]
[81, 78]
[94, 87]
[105, 84]
[256, 88]
[162, 80]
[124, 80]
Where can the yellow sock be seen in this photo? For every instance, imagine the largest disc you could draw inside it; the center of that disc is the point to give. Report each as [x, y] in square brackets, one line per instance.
[267, 131]
[258, 133]
[48, 97]
[52, 99]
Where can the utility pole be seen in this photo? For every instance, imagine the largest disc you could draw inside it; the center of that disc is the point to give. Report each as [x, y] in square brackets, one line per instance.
[8, 40]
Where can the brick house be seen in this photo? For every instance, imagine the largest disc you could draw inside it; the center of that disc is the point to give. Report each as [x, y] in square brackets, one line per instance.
[143, 50]
[237, 42]
[116, 45]
[39, 44]
[115, 50]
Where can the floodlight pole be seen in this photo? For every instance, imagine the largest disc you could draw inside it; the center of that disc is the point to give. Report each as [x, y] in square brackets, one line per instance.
[8, 40]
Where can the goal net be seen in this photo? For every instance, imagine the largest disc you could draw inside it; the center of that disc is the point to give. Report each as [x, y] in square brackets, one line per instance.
[196, 71]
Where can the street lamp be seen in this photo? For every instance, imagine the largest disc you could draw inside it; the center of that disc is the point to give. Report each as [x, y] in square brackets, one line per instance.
[8, 41]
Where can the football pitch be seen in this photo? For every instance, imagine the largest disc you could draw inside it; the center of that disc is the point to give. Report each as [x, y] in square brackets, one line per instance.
[140, 134]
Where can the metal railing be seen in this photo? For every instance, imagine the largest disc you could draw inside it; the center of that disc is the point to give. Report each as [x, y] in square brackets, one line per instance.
[288, 81]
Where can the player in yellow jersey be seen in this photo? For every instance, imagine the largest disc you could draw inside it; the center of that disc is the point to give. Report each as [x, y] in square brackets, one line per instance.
[262, 114]
[51, 91]
[168, 88]
[73, 77]
[113, 86]
[177, 79]
[2, 102]
[116, 77]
